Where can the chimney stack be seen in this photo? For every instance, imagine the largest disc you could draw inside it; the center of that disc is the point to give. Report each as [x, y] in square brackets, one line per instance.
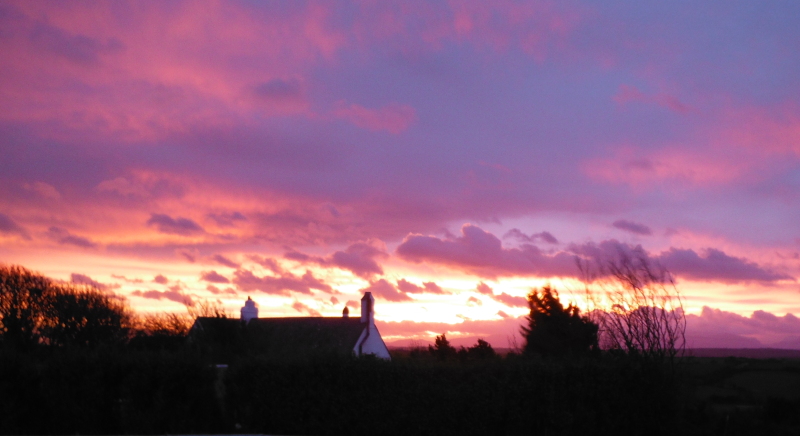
[346, 312]
[367, 313]
[249, 311]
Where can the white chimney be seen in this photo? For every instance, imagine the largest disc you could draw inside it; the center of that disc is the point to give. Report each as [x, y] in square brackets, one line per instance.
[249, 311]
[367, 313]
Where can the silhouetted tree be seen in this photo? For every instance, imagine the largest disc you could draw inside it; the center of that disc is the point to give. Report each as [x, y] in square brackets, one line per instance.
[23, 296]
[442, 349]
[554, 330]
[84, 316]
[644, 315]
[35, 310]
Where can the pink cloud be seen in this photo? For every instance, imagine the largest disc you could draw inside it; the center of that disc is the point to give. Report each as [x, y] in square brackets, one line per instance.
[300, 307]
[393, 118]
[426, 288]
[385, 290]
[629, 93]
[171, 295]
[216, 291]
[762, 130]
[645, 169]
[715, 328]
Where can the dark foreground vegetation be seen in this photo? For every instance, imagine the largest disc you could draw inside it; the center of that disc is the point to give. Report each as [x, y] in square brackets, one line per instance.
[75, 360]
[123, 391]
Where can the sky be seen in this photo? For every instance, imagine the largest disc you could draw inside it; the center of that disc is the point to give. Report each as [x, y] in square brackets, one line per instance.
[446, 156]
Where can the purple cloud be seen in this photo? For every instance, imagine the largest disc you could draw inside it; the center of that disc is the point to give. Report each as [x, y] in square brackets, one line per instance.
[358, 258]
[213, 277]
[715, 265]
[277, 90]
[629, 226]
[546, 237]
[160, 279]
[224, 261]
[226, 219]
[481, 253]
[64, 237]
[174, 226]
[279, 285]
[8, 226]
[83, 279]
[266, 262]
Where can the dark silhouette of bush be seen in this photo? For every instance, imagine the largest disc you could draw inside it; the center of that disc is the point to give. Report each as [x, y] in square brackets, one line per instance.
[442, 349]
[554, 330]
[482, 350]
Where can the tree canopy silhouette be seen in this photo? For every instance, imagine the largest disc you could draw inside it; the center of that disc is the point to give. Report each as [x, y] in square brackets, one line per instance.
[554, 330]
[34, 310]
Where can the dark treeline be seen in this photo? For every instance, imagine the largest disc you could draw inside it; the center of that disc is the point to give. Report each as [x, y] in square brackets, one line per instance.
[151, 376]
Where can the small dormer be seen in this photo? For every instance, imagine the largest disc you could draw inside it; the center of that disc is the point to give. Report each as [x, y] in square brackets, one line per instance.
[249, 311]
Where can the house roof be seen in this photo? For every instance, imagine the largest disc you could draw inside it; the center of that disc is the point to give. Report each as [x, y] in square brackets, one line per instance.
[284, 337]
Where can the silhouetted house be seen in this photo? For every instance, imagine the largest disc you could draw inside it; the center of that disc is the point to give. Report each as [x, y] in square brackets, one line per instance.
[293, 337]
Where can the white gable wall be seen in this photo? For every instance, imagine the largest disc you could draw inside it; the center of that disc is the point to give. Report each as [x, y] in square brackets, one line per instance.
[370, 342]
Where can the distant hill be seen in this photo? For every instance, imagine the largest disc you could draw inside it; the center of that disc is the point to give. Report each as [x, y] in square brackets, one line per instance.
[751, 353]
